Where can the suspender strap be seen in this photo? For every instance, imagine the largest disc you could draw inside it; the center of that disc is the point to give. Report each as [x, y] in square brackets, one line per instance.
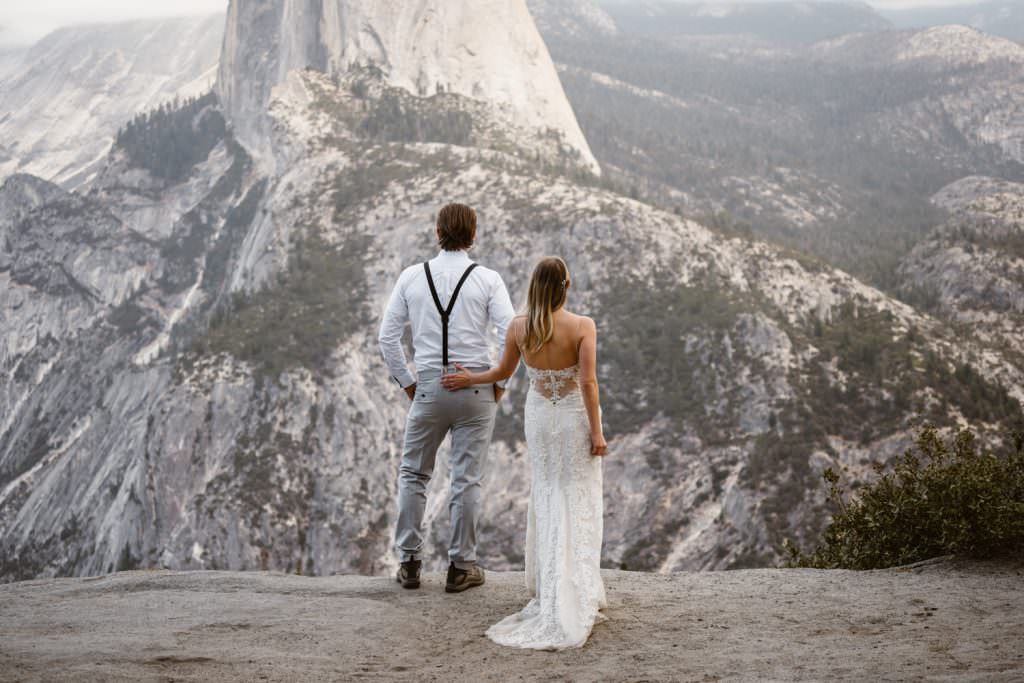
[446, 313]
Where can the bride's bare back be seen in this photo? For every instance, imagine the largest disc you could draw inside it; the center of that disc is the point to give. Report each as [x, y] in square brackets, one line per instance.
[563, 350]
[573, 343]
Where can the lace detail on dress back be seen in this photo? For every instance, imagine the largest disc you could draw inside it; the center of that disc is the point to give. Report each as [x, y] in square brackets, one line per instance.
[554, 385]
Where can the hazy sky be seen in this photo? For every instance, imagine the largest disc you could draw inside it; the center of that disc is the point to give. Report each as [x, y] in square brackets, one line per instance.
[31, 19]
[27, 20]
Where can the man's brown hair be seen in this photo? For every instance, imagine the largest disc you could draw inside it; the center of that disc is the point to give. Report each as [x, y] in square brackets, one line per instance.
[456, 227]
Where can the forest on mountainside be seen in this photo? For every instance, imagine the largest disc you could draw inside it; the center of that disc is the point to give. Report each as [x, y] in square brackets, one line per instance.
[832, 158]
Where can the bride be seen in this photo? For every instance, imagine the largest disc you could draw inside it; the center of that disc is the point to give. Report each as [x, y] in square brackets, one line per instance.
[564, 439]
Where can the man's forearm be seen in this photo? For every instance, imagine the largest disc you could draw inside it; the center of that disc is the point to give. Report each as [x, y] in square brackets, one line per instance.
[394, 358]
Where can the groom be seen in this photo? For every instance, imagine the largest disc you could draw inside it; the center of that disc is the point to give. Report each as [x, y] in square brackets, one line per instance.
[452, 303]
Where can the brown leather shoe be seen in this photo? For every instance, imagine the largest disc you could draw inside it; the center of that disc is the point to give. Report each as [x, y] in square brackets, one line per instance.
[409, 574]
[463, 579]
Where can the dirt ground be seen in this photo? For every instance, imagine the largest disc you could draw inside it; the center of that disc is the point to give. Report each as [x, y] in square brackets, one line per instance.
[939, 621]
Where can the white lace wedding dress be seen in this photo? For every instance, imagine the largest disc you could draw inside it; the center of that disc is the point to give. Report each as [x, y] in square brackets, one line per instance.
[565, 520]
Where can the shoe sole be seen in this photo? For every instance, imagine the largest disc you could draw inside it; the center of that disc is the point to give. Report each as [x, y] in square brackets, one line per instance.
[451, 588]
[409, 584]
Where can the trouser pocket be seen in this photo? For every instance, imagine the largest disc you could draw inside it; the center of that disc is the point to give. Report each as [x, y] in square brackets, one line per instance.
[428, 390]
[481, 393]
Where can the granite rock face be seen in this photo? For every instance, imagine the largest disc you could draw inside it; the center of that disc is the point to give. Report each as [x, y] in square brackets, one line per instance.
[971, 269]
[487, 50]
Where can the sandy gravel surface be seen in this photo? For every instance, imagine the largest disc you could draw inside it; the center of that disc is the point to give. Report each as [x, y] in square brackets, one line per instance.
[940, 621]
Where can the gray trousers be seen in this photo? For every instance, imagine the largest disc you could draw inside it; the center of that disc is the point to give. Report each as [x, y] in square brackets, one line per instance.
[469, 416]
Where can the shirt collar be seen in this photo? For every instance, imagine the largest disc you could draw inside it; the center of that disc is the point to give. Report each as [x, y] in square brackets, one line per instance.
[453, 256]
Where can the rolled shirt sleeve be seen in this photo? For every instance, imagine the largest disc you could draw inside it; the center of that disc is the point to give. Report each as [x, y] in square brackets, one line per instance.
[390, 338]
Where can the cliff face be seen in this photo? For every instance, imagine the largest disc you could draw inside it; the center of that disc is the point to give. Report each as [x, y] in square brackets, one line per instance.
[94, 290]
[971, 269]
[487, 50]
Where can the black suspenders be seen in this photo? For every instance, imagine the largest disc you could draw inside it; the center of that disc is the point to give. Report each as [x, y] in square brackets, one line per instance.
[446, 313]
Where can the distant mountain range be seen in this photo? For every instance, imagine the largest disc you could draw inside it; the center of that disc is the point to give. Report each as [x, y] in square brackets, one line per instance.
[834, 148]
[1003, 18]
[805, 22]
[780, 22]
[66, 96]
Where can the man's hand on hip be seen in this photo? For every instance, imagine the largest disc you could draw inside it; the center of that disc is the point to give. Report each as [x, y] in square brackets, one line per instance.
[410, 391]
[498, 393]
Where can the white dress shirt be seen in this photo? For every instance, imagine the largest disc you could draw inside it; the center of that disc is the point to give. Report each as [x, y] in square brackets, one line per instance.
[483, 302]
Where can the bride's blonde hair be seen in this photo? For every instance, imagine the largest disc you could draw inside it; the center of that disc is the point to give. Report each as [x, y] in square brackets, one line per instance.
[548, 289]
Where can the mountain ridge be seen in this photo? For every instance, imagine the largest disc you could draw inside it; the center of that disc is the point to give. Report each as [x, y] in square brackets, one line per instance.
[77, 85]
[780, 22]
[998, 17]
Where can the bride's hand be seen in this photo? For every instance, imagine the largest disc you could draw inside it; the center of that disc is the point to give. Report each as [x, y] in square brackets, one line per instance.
[598, 446]
[463, 379]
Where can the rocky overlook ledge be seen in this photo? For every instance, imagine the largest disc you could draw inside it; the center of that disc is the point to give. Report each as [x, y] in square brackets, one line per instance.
[941, 620]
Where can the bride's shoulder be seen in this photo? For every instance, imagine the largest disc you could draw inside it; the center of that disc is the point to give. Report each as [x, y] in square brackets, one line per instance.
[518, 326]
[583, 322]
[579, 318]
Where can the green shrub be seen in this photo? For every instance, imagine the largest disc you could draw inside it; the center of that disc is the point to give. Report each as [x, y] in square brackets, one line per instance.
[939, 498]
